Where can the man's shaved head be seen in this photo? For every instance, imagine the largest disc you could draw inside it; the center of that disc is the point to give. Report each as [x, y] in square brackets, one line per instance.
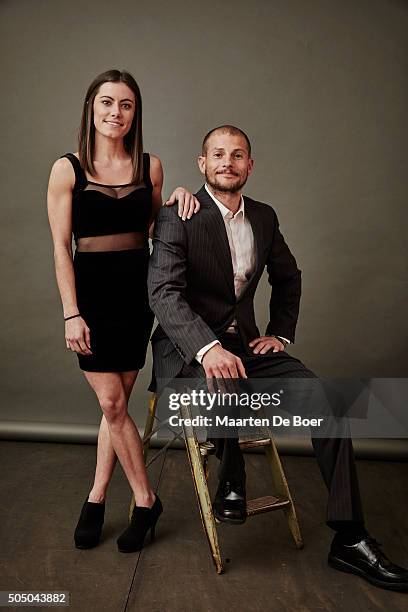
[225, 129]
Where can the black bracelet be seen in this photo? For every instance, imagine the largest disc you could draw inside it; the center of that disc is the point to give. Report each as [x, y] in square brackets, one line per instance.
[72, 317]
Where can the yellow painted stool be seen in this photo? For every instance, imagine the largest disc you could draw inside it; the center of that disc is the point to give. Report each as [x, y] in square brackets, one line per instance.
[198, 457]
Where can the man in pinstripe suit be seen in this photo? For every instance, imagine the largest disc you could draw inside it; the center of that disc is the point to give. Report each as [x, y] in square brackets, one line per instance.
[202, 281]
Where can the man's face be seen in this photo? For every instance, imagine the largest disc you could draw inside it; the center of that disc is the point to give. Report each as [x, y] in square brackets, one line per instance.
[226, 164]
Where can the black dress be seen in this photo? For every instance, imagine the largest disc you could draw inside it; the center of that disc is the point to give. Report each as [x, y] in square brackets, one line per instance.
[111, 285]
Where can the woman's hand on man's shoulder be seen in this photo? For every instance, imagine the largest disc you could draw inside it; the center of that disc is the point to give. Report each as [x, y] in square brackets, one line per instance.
[187, 203]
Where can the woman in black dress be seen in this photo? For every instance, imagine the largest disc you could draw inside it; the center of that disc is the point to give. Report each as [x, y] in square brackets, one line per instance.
[107, 196]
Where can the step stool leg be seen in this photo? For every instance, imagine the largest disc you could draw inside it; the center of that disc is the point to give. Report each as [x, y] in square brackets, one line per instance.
[201, 489]
[149, 424]
[282, 489]
[151, 413]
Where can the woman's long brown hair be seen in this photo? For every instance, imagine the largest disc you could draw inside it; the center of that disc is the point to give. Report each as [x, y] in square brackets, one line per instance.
[133, 140]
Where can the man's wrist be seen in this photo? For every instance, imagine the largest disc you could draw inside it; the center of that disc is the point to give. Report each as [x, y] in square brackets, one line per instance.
[284, 341]
[200, 355]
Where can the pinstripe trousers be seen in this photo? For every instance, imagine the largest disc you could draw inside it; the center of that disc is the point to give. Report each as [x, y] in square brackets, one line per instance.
[335, 455]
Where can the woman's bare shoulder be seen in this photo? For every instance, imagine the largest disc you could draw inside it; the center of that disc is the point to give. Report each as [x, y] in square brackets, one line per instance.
[156, 170]
[62, 173]
[154, 161]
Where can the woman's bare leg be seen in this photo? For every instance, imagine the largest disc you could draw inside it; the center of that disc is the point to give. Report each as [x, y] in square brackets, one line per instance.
[105, 464]
[105, 455]
[124, 436]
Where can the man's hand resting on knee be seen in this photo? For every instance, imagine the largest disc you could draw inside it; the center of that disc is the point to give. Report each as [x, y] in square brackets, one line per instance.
[264, 344]
[219, 363]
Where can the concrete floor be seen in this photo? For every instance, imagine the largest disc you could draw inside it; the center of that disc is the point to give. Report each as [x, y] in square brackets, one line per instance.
[43, 487]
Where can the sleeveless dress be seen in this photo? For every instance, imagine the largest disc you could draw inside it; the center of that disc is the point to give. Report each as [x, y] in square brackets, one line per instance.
[111, 285]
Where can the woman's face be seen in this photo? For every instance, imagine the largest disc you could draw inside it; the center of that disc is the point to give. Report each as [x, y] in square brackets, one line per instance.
[114, 108]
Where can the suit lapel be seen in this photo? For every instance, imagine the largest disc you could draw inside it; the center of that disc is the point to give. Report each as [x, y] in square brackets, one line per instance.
[215, 225]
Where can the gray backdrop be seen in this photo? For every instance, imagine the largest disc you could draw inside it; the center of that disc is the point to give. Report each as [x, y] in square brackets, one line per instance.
[319, 86]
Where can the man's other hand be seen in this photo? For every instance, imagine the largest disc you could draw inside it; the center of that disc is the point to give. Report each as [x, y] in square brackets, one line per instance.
[264, 344]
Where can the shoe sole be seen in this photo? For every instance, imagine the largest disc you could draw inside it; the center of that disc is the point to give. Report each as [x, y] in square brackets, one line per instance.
[343, 566]
[223, 519]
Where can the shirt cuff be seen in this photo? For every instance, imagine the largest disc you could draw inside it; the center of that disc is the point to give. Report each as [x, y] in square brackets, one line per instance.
[205, 348]
[283, 338]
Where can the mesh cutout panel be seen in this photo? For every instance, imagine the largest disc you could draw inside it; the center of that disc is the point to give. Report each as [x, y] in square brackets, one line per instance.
[113, 242]
[114, 192]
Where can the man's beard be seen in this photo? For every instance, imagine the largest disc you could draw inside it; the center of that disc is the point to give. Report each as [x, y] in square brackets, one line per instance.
[231, 188]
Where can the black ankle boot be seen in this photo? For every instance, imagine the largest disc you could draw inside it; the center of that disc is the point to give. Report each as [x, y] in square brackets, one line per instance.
[142, 520]
[89, 528]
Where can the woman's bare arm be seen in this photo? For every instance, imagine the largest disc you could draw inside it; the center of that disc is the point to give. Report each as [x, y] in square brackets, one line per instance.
[59, 203]
[187, 203]
[156, 176]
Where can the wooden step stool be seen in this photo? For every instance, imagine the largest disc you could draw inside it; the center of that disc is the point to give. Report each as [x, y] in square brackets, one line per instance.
[198, 457]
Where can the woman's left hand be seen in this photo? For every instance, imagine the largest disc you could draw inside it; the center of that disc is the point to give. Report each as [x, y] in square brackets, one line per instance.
[187, 203]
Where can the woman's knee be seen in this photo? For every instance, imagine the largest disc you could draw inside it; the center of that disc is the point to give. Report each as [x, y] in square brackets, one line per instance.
[113, 407]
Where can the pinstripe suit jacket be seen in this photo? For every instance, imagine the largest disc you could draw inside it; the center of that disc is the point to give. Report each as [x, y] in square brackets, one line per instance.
[191, 283]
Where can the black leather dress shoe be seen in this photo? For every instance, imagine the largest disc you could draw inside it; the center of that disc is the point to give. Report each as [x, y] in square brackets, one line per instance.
[366, 559]
[230, 503]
